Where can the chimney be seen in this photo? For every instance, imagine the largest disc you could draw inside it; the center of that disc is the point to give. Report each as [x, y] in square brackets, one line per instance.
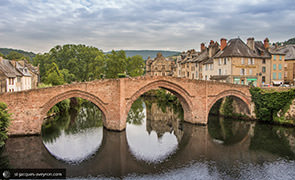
[203, 47]
[213, 49]
[222, 43]
[250, 43]
[266, 43]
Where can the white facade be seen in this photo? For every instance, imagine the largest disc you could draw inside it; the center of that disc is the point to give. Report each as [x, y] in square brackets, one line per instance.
[11, 84]
[26, 83]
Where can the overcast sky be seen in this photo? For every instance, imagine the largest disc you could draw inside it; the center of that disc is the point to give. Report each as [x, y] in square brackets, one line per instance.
[39, 25]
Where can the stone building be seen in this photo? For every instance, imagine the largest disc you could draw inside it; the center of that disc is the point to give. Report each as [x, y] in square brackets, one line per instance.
[283, 60]
[239, 63]
[17, 75]
[160, 66]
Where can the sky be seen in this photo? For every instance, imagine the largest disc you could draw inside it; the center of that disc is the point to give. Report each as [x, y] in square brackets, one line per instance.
[39, 25]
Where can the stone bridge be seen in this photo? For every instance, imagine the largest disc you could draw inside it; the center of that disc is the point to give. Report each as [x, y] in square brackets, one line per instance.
[114, 98]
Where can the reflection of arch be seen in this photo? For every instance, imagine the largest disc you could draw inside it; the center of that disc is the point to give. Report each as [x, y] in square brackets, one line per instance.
[74, 93]
[182, 95]
[246, 99]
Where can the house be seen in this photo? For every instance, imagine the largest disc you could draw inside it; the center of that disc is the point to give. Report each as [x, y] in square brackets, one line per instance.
[240, 63]
[286, 55]
[10, 78]
[17, 75]
[277, 66]
[160, 66]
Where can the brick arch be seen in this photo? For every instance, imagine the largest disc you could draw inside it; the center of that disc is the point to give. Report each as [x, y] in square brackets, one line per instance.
[74, 93]
[246, 99]
[183, 96]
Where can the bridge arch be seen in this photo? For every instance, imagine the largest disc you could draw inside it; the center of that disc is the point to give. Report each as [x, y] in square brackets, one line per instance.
[246, 99]
[74, 93]
[183, 96]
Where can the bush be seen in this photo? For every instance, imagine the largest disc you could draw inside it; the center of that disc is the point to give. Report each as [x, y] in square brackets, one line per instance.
[4, 123]
[269, 103]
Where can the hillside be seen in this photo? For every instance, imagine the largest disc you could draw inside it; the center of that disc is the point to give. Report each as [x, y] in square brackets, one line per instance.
[6, 51]
[152, 53]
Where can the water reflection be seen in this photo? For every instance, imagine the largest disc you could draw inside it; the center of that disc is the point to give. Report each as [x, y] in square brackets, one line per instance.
[228, 131]
[74, 135]
[153, 135]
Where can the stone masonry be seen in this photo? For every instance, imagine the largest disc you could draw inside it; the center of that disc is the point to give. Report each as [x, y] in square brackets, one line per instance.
[114, 98]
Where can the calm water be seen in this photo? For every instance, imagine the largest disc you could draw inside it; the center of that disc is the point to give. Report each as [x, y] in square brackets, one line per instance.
[155, 145]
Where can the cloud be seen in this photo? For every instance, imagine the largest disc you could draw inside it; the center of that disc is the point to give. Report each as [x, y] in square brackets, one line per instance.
[144, 24]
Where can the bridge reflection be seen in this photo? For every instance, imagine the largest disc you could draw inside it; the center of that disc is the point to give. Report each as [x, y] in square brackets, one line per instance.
[113, 158]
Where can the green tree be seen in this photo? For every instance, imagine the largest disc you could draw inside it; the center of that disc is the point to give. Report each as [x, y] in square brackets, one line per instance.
[54, 76]
[4, 123]
[115, 64]
[13, 55]
[135, 66]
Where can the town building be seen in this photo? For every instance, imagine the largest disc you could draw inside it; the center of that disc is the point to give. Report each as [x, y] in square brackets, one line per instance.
[289, 51]
[277, 66]
[160, 66]
[16, 76]
[240, 63]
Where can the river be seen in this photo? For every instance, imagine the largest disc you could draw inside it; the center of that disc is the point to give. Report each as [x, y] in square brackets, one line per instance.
[156, 144]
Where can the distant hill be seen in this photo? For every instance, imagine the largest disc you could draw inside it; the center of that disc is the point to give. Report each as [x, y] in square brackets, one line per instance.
[152, 53]
[6, 51]
[129, 53]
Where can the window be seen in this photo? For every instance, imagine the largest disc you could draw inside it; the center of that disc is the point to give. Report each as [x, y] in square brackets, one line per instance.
[274, 75]
[263, 69]
[179, 72]
[187, 74]
[263, 79]
[224, 61]
[206, 77]
[219, 71]
[274, 67]
[250, 71]
[187, 65]
[211, 66]
[206, 67]
[274, 57]
[193, 75]
[242, 71]
[279, 75]
[219, 62]
[263, 61]
[280, 66]
[163, 66]
[11, 81]
[280, 58]
[18, 79]
[250, 61]
[242, 61]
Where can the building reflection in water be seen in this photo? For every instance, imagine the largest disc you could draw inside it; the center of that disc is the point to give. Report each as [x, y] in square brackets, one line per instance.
[157, 136]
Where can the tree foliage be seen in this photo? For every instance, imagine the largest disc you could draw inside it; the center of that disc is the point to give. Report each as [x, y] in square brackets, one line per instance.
[13, 55]
[4, 122]
[54, 76]
[85, 63]
[268, 104]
